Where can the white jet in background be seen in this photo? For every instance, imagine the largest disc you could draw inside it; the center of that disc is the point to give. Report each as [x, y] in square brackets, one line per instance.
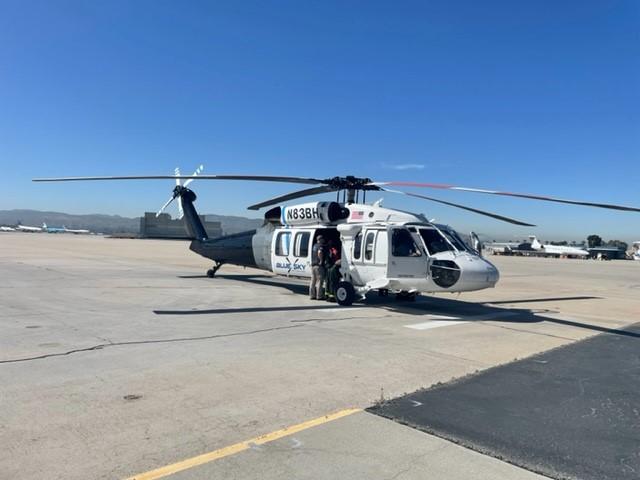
[557, 249]
[75, 231]
[26, 228]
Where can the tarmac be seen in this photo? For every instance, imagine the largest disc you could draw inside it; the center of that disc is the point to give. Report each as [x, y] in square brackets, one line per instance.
[572, 412]
[120, 359]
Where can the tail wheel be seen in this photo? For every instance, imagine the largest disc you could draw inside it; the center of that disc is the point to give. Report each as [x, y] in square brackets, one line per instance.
[345, 293]
[212, 271]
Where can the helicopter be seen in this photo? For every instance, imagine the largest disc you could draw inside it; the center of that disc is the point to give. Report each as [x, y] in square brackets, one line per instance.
[385, 250]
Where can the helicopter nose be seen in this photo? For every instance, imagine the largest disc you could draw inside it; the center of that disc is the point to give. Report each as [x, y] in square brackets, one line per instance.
[478, 273]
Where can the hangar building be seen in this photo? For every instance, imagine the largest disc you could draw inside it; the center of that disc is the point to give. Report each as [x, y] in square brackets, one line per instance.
[166, 227]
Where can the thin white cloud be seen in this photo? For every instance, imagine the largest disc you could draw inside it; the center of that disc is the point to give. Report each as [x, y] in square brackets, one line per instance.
[403, 166]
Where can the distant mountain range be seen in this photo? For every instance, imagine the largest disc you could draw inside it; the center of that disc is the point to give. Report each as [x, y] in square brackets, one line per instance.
[110, 224]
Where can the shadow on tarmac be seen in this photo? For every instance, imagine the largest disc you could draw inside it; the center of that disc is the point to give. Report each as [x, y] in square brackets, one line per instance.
[548, 299]
[214, 311]
[425, 305]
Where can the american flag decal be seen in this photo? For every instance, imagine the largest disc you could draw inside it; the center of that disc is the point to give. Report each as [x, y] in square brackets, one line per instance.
[357, 215]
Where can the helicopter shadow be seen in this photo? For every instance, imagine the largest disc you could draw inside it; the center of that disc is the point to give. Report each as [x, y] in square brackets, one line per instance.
[214, 311]
[450, 309]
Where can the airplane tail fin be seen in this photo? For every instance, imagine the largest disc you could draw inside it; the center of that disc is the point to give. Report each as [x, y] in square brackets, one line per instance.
[535, 244]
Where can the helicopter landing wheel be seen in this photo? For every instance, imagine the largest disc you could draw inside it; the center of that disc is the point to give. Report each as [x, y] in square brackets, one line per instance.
[212, 271]
[345, 294]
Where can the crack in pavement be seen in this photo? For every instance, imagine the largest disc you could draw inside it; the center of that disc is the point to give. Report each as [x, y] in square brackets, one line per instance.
[144, 342]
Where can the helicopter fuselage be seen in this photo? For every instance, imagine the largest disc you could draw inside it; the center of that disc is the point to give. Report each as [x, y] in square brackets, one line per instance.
[381, 249]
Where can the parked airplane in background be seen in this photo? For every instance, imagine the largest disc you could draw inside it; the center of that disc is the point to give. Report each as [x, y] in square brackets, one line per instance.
[503, 248]
[26, 228]
[75, 231]
[48, 229]
[7, 229]
[557, 250]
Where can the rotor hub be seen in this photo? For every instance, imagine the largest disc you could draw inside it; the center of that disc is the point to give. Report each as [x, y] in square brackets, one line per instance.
[350, 183]
[184, 192]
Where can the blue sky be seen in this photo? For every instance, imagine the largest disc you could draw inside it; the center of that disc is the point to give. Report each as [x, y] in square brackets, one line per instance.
[540, 97]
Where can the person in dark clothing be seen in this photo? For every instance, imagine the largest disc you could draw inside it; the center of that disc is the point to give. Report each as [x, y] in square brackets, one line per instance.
[318, 269]
[333, 273]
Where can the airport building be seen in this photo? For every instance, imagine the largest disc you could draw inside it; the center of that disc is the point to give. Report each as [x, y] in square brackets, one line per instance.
[164, 226]
[608, 253]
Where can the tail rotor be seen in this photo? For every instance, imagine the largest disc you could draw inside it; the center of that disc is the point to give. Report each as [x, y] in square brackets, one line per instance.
[176, 194]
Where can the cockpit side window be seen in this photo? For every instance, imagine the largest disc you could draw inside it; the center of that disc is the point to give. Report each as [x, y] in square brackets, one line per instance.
[434, 242]
[402, 244]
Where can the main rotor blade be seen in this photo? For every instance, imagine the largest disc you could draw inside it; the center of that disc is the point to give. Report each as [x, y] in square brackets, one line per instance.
[470, 209]
[291, 196]
[255, 178]
[508, 194]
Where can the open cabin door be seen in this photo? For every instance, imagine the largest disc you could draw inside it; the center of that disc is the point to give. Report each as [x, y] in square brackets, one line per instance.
[291, 252]
[407, 259]
[291, 249]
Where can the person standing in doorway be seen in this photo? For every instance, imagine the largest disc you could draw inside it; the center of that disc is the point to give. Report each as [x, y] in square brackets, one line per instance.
[318, 269]
[333, 270]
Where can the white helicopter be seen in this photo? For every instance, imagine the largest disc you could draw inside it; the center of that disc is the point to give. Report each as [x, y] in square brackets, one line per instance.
[382, 249]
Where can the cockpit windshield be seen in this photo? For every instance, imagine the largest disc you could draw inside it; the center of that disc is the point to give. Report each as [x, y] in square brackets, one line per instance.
[436, 241]
[455, 239]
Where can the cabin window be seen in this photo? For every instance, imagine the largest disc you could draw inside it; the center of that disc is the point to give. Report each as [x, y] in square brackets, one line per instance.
[301, 245]
[368, 245]
[357, 246]
[283, 241]
[434, 241]
[402, 244]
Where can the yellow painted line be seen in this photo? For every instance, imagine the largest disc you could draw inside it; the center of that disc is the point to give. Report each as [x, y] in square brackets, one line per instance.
[239, 447]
